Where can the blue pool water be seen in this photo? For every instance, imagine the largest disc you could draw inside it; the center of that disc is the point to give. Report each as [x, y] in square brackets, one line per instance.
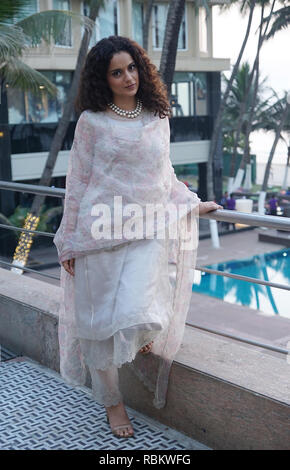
[274, 267]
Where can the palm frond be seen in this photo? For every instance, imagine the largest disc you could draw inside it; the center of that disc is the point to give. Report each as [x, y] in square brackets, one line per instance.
[11, 8]
[48, 25]
[238, 99]
[19, 75]
[272, 116]
[281, 21]
[12, 42]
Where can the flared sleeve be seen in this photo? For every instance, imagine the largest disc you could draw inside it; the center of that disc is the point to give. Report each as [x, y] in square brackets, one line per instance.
[77, 178]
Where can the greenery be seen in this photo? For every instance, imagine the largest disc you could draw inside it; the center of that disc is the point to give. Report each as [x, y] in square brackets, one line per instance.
[238, 95]
[19, 32]
[47, 222]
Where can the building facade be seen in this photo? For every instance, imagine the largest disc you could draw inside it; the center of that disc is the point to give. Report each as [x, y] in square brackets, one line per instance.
[195, 91]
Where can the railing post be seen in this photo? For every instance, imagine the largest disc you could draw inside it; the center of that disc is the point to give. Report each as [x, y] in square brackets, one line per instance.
[7, 203]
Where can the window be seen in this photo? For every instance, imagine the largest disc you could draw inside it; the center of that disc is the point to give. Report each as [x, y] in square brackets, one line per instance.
[65, 37]
[202, 30]
[24, 107]
[106, 23]
[189, 94]
[137, 21]
[159, 22]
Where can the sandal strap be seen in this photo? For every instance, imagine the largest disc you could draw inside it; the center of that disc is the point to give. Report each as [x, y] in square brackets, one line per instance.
[121, 426]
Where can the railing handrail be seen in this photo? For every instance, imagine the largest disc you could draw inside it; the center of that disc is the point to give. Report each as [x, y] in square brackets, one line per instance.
[253, 218]
[32, 188]
[225, 215]
[26, 230]
[242, 278]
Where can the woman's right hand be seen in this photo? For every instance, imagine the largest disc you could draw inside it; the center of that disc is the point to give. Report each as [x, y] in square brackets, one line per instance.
[208, 206]
[69, 266]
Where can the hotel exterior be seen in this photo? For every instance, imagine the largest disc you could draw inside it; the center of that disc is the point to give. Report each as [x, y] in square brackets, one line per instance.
[195, 91]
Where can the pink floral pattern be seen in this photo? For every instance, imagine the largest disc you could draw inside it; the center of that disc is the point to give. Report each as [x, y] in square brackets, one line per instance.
[109, 160]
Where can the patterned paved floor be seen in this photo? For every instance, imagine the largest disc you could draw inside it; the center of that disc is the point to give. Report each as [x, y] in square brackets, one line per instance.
[38, 410]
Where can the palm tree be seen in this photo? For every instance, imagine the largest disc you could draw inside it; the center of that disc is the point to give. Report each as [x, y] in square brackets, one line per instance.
[245, 6]
[282, 109]
[16, 37]
[147, 19]
[281, 20]
[245, 162]
[235, 122]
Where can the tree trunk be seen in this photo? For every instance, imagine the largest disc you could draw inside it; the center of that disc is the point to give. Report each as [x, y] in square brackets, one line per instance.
[169, 49]
[276, 140]
[285, 179]
[7, 204]
[147, 23]
[235, 148]
[218, 120]
[262, 195]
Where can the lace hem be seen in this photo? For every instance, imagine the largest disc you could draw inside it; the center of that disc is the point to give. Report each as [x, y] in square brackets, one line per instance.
[117, 350]
[110, 400]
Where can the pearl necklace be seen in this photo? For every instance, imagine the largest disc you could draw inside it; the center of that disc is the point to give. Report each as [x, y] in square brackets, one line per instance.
[124, 112]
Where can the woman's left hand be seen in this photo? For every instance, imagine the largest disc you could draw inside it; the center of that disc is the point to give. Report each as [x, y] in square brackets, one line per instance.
[208, 206]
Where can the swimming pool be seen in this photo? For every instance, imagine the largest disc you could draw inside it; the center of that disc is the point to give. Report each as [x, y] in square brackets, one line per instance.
[274, 267]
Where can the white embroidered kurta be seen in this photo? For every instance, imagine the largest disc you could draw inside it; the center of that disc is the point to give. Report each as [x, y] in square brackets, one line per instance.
[109, 160]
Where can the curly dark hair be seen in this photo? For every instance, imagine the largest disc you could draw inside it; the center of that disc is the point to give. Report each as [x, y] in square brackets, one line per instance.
[94, 92]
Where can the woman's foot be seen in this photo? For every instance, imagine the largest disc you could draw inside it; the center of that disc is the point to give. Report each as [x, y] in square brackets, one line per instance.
[146, 349]
[119, 421]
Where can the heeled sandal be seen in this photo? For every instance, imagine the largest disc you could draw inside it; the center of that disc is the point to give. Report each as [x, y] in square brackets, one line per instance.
[120, 427]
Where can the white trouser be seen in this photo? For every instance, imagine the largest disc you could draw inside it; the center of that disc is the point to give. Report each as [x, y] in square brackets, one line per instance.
[105, 386]
[105, 383]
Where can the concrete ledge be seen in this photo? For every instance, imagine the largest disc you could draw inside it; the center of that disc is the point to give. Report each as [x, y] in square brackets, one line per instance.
[228, 395]
[222, 393]
[29, 317]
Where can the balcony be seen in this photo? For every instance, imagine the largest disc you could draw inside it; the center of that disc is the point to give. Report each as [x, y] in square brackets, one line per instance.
[229, 383]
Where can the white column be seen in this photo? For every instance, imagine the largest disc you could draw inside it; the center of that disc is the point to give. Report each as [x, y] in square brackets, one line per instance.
[126, 18]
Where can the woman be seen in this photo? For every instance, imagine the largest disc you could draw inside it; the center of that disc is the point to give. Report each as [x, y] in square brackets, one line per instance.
[123, 296]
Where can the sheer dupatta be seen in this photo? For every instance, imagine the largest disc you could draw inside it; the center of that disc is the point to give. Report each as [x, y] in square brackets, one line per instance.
[153, 369]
